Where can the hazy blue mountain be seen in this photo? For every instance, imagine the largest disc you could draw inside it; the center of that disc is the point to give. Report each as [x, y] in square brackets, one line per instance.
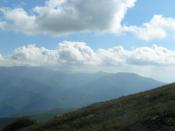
[28, 90]
[151, 110]
[111, 85]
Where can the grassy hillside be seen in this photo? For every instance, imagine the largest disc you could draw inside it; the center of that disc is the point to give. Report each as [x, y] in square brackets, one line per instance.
[40, 117]
[5, 121]
[152, 110]
[45, 116]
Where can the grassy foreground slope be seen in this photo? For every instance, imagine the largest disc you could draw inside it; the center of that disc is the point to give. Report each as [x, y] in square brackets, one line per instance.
[6, 121]
[152, 110]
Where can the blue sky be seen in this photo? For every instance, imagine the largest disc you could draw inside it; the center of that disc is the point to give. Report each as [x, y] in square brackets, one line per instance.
[145, 9]
[142, 11]
[117, 35]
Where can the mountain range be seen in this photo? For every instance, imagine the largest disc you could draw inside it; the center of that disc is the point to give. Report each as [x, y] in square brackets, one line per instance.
[32, 90]
[151, 110]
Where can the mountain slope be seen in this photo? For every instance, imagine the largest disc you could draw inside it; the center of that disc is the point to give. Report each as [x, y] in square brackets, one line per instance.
[6, 121]
[152, 110]
[32, 90]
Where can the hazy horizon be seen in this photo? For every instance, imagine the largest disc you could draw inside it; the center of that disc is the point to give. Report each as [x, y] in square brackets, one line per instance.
[111, 36]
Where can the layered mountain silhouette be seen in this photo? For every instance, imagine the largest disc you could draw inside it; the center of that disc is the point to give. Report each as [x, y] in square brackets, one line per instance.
[147, 111]
[31, 90]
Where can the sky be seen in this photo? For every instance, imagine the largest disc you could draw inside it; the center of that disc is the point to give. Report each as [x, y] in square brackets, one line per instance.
[113, 36]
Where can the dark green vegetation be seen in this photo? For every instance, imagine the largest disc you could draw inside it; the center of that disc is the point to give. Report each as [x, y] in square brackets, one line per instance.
[5, 121]
[19, 124]
[30, 90]
[45, 116]
[152, 110]
[40, 117]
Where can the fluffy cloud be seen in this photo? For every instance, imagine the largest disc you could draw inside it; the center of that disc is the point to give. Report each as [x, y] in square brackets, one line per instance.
[155, 55]
[67, 53]
[32, 55]
[59, 17]
[112, 56]
[1, 59]
[78, 54]
[157, 28]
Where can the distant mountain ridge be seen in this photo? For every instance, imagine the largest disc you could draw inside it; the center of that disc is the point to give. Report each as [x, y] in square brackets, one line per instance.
[29, 90]
[151, 110]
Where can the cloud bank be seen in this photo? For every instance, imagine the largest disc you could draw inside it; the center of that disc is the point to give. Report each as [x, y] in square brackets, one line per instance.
[80, 54]
[79, 57]
[57, 17]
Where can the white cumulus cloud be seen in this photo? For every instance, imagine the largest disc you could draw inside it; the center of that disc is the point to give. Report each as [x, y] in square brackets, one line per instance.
[76, 53]
[112, 56]
[79, 54]
[1, 59]
[33, 56]
[158, 27]
[154, 55]
[59, 17]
